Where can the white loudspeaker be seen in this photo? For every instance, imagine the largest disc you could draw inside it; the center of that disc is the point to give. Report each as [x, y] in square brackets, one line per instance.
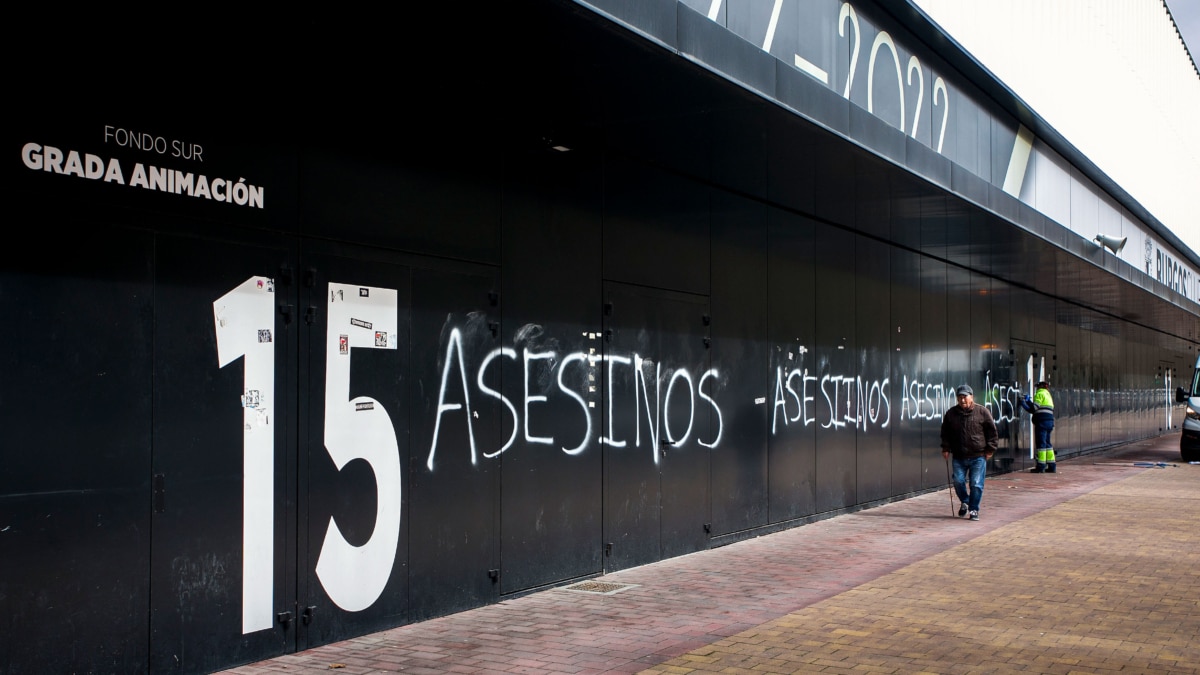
[1111, 243]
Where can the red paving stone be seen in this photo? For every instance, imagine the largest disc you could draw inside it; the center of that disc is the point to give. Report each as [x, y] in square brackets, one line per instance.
[876, 591]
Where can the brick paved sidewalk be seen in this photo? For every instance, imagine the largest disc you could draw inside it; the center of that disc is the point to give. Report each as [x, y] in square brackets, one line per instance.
[1091, 570]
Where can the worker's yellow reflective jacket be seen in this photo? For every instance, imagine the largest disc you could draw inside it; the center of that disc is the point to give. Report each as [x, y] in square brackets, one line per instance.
[1041, 406]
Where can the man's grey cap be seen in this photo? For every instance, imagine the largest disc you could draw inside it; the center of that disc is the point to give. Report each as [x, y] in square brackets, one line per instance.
[964, 390]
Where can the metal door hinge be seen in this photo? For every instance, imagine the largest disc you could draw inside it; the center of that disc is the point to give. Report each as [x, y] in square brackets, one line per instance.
[160, 493]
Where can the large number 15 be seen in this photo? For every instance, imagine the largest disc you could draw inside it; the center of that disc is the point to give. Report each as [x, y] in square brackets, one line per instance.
[359, 317]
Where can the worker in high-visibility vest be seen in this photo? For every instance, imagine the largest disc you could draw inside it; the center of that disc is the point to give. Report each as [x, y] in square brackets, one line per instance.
[1041, 406]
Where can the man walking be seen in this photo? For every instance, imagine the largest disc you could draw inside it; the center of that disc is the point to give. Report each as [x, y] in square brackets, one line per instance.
[969, 435]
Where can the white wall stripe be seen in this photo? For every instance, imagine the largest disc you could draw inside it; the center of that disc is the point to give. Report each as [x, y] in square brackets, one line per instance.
[1018, 161]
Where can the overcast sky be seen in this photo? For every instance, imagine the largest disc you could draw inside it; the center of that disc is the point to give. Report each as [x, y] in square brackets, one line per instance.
[1187, 17]
[1148, 144]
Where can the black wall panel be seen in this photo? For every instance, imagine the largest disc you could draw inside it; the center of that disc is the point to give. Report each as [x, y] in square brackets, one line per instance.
[661, 118]
[1106, 352]
[791, 173]
[1066, 432]
[354, 449]
[1041, 312]
[656, 229]
[958, 220]
[905, 210]
[75, 405]
[657, 425]
[981, 242]
[873, 197]
[794, 374]
[223, 412]
[550, 510]
[453, 546]
[1004, 361]
[689, 424]
[833, 188]
[908, 379]
[938, 388]
[989, 364]
[632, 486]
[739, 146]
[429, 202]
[1081, 386]
[1020, 302]
[935, 225]
[874, 383]
[961, 353]
[835, 345]
[739, 307]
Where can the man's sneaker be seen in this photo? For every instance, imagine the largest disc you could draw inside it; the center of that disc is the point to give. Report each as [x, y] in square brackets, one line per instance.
[974, 515]
[962, 510]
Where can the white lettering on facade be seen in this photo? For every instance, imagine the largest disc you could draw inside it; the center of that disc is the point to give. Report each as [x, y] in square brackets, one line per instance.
[49, 159]
[147, 142]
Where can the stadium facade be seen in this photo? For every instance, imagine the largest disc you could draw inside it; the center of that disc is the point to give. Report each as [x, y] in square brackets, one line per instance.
[330, 325]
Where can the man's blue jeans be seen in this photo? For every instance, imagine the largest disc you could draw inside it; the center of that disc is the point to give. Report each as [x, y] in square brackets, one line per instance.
[969, 471]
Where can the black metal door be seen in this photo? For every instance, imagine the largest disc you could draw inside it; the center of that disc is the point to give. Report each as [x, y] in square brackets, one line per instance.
[657, 424]
[354, 444]
[456, 435]
[75, 406]
[222, 570]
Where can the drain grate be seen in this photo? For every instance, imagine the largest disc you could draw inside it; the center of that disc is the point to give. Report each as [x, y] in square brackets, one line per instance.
[598, 587]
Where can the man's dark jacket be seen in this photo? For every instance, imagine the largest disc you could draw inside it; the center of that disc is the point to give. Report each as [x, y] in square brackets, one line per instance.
[969, 433]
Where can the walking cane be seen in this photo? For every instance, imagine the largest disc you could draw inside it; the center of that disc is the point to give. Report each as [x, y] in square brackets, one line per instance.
[950, 484]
